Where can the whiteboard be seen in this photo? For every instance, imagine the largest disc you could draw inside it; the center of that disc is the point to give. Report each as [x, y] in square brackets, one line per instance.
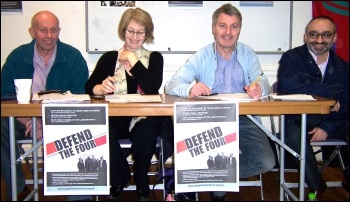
[264, 28]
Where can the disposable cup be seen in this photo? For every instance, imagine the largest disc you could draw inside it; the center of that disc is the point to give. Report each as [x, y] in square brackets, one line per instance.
[23, 90]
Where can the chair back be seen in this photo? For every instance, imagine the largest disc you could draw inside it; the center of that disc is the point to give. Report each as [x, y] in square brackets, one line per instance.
[274, 87]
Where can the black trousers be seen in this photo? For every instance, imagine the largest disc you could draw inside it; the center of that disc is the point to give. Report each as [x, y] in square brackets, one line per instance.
[143, 137]
[292, 133]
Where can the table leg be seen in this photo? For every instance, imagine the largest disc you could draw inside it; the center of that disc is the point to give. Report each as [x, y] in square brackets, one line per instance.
[35, 160]
[283, 147]
[13, 157]
[302, 158]
[282, 154]
[283, 187]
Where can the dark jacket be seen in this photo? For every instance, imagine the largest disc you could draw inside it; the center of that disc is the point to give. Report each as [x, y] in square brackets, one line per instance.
[299, 73]
[149, 79]
[69, 71]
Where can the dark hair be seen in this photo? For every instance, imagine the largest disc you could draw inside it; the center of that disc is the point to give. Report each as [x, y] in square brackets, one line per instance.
[228, 9]
[321, 17]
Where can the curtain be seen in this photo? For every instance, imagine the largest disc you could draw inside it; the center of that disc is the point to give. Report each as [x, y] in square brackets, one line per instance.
[339, 12]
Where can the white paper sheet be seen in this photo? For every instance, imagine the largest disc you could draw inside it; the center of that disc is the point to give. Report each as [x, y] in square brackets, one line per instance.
[300, 97]
[133, 98]
[61, 98]
[241, 97]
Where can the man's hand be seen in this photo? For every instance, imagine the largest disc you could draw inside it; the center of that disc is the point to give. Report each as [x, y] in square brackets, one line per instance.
[318, 135]
[254, 91]
[199, 89]
[27, 122]
[336, 107]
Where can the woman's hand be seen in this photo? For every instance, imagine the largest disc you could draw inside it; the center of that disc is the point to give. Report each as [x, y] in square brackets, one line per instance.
[106, 87]
[128, 59]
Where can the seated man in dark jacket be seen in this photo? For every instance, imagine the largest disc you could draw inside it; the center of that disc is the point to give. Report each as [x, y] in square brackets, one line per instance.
[315, 69]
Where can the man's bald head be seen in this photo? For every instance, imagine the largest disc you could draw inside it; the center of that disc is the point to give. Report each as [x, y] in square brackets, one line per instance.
[45, 28]
[44, 16]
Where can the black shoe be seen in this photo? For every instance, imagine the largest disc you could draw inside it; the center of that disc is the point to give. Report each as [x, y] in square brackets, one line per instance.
[190, 196]
[116, 192]
[323, 186]
[142, 195]
[22, 195]
[217, 198]
[345, 185]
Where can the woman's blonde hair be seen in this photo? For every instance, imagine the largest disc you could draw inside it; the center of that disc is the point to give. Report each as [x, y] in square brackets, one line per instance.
[140, 16]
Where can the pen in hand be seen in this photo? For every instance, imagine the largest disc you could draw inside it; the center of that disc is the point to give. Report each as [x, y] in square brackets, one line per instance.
[256, 80]
[211, 94]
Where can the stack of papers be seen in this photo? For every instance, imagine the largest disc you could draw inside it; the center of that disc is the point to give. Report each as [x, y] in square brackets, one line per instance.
[61, 98]
[241, 97]
[115, 98]
[296, 97]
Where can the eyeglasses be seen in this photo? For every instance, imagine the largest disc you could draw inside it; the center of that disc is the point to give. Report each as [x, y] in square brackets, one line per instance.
[131, 33]
[45, 31]
[325, 35]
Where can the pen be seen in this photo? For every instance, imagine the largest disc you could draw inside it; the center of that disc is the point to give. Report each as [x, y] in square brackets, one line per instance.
[256, 80]
[41, 93]
[211, 94]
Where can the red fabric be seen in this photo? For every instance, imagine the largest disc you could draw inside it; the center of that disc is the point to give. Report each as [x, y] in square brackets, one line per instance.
[339, 12]
[140, 90]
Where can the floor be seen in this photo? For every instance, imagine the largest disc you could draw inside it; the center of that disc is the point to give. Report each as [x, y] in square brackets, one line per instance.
[270, 190]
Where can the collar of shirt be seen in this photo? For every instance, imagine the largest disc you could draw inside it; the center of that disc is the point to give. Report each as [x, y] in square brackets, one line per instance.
[228, 75]
[40, 71]
[323, 65]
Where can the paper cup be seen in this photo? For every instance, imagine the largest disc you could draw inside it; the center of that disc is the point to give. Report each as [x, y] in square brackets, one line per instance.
[23, 90]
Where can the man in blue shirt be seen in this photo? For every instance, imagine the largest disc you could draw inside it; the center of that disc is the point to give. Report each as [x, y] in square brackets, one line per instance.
[229, 66]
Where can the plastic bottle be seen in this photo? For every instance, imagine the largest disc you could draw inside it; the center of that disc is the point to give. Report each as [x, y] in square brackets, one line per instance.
[311, 196]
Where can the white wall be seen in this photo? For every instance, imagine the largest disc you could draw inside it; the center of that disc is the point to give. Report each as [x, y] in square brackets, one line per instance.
[14, 32]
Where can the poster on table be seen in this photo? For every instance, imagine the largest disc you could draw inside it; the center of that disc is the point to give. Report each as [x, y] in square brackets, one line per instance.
[206, 146]
[76, 149]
